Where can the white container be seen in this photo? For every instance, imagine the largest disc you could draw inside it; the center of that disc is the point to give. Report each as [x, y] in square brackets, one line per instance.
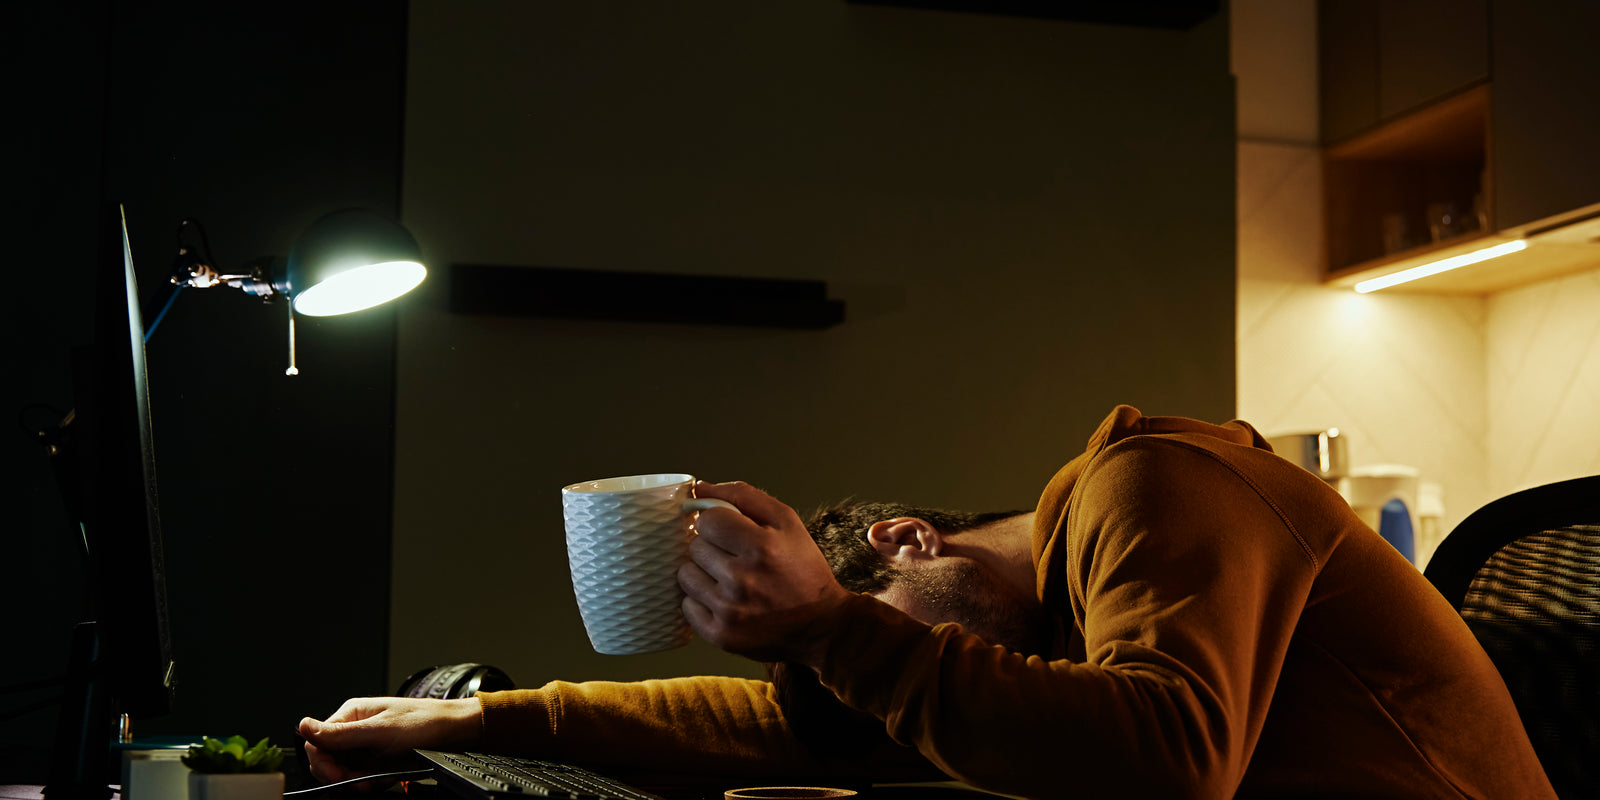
[237, 786]
[1369, 489]
[154, 774]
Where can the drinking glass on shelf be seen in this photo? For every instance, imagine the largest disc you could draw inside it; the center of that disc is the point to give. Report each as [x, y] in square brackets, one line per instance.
[1395, 236]
[1445, 221]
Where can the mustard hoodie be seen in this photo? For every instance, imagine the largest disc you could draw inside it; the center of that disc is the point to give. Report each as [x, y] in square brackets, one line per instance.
[1226, 627]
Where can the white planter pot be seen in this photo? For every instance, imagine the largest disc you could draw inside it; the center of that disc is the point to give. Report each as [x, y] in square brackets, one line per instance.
[243, 786]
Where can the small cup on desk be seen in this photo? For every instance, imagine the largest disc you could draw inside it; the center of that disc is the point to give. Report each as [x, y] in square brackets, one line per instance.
[785, 793]
[626, 538]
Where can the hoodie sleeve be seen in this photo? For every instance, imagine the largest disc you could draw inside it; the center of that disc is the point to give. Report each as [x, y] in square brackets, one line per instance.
[1186, 584]
[706, 725]
[730, 726]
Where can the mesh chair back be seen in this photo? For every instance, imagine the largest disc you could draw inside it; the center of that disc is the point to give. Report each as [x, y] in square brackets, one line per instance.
[1524, 571]
[1535, 607]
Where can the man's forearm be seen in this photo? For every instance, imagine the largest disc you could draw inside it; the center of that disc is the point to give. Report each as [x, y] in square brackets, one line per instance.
[707, 724]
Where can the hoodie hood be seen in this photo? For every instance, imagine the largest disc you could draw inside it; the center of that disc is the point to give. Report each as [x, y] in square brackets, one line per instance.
[1122, 423]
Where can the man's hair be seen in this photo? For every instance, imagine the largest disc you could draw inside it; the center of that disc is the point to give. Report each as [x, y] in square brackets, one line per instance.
[840, 531]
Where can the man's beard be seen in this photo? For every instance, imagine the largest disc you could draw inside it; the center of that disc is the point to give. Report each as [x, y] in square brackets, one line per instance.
[965, 593]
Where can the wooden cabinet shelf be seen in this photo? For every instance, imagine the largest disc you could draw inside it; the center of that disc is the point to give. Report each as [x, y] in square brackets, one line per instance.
[1480, 108]
[1558, 246]
[1406, 188]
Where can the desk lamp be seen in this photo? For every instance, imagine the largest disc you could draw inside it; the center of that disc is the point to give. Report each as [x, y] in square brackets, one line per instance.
[346, 261]
[120, 658]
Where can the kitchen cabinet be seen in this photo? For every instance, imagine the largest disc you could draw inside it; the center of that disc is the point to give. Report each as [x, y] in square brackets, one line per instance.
[1409, 188]
[1347, 67]
[1440, 157]
[1379, 60]
[1546, 117]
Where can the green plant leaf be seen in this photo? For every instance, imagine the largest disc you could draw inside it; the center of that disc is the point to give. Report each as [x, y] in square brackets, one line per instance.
[234, 755]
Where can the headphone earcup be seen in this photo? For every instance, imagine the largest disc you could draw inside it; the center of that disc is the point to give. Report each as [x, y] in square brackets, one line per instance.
[485, 679]
[452, 681]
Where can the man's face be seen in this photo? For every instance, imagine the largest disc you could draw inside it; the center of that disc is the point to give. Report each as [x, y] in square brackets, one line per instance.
[962, 591]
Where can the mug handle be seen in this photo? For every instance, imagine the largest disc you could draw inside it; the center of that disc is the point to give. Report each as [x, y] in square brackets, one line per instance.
[703, 503]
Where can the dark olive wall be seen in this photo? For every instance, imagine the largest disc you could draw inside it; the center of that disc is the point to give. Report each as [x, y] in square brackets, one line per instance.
[1029, 221]
[276, 491]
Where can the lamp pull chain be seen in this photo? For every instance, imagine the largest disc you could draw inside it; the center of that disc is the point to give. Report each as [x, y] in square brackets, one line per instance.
[292, 370]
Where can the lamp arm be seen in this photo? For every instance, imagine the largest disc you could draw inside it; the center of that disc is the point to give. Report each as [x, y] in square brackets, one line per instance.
[264, 277]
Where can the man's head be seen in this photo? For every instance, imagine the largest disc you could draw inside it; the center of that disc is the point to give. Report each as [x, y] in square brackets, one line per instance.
[841, 533]
[909, 557]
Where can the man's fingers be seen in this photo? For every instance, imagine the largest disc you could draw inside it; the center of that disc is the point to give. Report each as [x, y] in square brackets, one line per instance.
[702, 620]
[325, 767]
[760, 507]
[312, 730]
[695, 581]
[695, 612]
[716, 549]
[340, 735]
[721, 528]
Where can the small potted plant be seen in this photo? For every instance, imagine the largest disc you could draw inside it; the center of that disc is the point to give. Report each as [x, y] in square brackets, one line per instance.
[233, 770]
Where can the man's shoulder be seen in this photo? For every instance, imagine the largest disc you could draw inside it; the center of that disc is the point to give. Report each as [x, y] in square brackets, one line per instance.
[1184, 457]
[1213, 477]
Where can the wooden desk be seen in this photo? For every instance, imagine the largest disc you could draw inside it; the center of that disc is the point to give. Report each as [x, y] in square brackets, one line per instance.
[904, 791]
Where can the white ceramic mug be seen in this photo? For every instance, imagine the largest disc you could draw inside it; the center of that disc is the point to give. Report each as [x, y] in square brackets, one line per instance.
[626, 538]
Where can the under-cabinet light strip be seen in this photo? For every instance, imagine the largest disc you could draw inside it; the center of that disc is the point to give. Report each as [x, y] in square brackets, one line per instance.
[1442, 265]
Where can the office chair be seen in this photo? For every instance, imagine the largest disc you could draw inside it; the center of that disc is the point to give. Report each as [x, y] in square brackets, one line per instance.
[1524, 572]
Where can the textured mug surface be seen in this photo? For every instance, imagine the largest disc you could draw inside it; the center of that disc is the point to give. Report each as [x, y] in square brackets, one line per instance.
[626, 538]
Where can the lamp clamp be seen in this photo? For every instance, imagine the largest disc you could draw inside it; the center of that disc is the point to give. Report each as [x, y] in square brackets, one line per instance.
[263, 277]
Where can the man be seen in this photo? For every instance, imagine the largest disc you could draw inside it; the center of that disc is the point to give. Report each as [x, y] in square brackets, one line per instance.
[1183, 615]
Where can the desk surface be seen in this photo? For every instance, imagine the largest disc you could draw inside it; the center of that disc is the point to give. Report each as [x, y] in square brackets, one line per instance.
[19, 792]
[919, 791]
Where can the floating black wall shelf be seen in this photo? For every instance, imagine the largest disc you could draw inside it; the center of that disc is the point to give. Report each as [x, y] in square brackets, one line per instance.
[1168, 14]
[563, 293]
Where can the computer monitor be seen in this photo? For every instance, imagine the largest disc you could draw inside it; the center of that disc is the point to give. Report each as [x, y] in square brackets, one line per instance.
[121, 659]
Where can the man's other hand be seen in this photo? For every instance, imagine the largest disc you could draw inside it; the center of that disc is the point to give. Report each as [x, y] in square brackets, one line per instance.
[757, 585]
[368, 735]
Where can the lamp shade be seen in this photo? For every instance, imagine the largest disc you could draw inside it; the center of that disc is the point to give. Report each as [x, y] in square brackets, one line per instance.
[349, 260]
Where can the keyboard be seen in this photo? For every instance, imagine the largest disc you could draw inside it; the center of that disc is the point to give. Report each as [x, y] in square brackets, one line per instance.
[480, 775]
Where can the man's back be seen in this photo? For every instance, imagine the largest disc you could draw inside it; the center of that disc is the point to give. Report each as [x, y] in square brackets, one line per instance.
[1312, 647]
[1385, 681]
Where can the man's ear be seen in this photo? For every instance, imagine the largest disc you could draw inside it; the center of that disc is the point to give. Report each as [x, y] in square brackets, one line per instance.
[905, 538]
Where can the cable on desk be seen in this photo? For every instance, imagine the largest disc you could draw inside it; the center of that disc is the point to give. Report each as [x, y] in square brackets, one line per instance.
[410, 773]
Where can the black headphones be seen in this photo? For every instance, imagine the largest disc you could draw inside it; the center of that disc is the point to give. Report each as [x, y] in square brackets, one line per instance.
[452, 681]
